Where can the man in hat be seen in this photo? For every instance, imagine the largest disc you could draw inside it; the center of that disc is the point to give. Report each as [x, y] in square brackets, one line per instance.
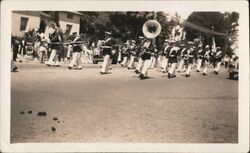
[148, 48]
[55, 40]
[76, 55]
[173, 61]
[106, 50]
[140, 49]
[200, 54]
[218, 57]
[166, 51]
[132, 54]
[125, 54]
[206, 59]
[190, 55]
[183, 61]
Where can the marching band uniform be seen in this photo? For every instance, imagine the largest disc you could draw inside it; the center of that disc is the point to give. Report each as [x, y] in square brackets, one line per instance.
[190, 54]
[139, 54]
[132, 55]
[76, 59]
[43, 48]
[166, 51]
[146, 59]
[125, 55]
[55, 39]
[200, 55]
[218, 58]
[173, 61]
[106, 49]
[183, 62]
[206, 59]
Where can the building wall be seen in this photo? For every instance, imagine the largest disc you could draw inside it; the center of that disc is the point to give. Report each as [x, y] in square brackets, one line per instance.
[33, 21]
[75, 22]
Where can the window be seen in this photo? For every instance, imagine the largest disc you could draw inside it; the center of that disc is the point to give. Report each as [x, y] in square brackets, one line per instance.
[69, 15]
[68, 28]
[24, 22]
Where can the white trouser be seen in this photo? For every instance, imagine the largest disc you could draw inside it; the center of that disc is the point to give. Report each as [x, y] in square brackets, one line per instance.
[119, 59]
[199, 61]
[131, 62]
[153, 59]
[106, 64]
[217, 67]
[172, 68]
[76, 60]
[125, 60]
[188, 72]
[53, 59]
[70, 49]
[180, 66]
[162, 62]
[42, 52]
[139, 66]
[165, 65]
[206, 63]
[146, 65]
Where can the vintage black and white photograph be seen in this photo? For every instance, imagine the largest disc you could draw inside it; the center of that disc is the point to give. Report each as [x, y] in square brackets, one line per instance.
[124, 76]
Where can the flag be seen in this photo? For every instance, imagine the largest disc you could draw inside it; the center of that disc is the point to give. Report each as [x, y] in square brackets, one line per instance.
[213, 45]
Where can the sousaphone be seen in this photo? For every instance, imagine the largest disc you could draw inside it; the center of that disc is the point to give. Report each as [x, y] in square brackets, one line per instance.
[151, 29]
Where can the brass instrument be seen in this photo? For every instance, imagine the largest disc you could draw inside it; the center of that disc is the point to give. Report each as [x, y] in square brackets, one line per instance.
[151, 29]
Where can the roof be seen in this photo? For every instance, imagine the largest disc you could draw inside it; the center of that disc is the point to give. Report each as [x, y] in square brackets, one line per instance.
[75, 12]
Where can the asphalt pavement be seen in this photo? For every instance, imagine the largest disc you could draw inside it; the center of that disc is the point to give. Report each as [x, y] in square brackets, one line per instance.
[85, 106]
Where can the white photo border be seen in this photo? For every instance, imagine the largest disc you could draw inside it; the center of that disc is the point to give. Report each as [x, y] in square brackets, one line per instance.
[169, 6]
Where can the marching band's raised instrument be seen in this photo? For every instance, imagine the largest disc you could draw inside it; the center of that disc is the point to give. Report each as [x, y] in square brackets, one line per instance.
[151, 29]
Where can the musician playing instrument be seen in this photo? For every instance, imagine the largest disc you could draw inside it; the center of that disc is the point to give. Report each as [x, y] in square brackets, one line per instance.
[148, 48]
[173, 61]
[76, 55]
[131, 64]
[206, 59]
[55, 40]
[166, 51]
[139, 54]
[218, 58]
[200, 54]
[190, 54]
[183, 62]
[106, 50]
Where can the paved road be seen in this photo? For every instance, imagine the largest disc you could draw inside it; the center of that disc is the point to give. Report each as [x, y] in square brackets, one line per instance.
[119, 107]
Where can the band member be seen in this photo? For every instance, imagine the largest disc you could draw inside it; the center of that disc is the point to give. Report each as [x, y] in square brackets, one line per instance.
[139, 54]
[55, 40]
[76, 59]
[206, 59]
[23, 47]
[173, 61]
[42, 51]
[184, 59]
[131, 64]
[166, 51]
[190, 55]
[106, 49]
[200, 55]
[148, 48]
[125, 54]
[165, 46]
[154, 57]
[218, 57]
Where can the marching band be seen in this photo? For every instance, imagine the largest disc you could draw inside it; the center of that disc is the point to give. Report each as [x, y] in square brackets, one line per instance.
[139, 55]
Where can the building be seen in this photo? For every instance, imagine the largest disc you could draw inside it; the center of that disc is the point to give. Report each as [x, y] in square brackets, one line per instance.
[24, 21]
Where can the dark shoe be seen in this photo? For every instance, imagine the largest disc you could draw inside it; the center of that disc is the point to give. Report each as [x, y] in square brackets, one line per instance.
[102, 73]
[197, 70]
[187, 75]
[128, 68]
[137, 71]
[141, 76]
[204, 73]
[169, 75]
[69, 67]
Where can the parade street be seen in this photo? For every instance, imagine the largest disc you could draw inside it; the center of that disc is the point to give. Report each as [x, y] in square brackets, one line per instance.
[85, 106]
